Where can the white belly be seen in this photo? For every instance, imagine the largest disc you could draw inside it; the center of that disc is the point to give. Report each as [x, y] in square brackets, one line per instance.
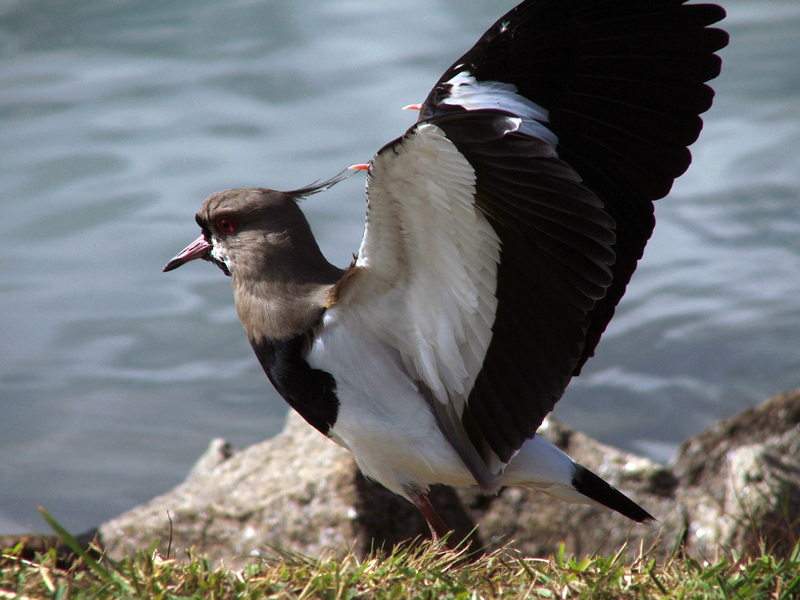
[383, 419]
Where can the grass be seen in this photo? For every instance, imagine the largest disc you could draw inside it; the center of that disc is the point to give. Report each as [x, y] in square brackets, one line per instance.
[423, 570]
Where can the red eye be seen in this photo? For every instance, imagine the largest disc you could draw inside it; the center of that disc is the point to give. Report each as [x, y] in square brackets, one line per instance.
[226, 225]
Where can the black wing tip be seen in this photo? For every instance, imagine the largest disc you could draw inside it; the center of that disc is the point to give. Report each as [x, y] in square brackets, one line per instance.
[592, 486]
[708, 14]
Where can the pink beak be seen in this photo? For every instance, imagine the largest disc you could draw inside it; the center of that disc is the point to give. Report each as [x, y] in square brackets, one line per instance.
[197, 249]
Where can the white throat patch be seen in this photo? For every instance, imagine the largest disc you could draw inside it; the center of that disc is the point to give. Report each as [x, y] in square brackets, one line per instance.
[220, 254]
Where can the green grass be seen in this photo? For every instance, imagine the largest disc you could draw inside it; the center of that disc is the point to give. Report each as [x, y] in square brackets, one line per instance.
[421, 571]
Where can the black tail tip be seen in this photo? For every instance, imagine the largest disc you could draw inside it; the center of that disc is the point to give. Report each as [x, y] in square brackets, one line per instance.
[595, 488]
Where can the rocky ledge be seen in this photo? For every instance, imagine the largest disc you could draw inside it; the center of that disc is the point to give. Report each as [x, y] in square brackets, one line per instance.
[737, 485]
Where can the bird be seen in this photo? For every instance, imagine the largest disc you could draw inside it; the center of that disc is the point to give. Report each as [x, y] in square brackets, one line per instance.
[501, 232]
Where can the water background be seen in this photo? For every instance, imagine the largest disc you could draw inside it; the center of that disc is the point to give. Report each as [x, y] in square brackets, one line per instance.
[118, 117]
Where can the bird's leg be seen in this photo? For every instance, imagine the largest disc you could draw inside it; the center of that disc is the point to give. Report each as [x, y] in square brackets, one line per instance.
[438, 527]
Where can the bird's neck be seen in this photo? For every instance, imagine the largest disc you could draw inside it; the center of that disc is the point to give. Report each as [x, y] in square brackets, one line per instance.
[280, 308]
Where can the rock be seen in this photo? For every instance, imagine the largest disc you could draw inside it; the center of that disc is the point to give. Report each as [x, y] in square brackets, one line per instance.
[740, 481]
[298, 491]
[731, 487]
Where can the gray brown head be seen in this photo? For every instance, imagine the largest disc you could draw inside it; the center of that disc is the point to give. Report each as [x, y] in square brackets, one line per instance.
[262, 240]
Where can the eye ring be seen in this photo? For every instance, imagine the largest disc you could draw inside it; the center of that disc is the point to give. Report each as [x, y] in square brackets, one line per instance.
[226, 225]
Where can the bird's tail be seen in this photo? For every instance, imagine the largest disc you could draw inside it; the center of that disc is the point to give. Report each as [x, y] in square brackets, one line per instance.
[593, 487]
[541, 465]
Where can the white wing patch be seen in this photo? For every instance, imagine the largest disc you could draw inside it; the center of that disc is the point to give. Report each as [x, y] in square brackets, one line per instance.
[470, 94]
[429, 260]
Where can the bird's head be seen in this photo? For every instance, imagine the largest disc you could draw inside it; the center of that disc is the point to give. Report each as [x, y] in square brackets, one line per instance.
[261, 239]
[251, 233]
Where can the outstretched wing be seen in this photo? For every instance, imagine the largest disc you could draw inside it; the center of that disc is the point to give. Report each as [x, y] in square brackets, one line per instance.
[503, 228]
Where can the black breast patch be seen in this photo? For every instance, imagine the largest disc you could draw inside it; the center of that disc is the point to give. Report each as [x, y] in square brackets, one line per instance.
[311, 392]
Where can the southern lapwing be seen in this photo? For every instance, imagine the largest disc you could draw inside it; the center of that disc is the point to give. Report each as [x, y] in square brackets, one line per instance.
[501, 232]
